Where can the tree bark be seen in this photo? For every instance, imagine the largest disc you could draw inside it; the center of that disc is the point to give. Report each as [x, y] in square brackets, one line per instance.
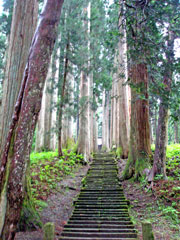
[67, 134]
[40, 129]
[123, 93]
[140, 145]
[83, 139]
[176, 132]
[60, 113]
[84, 117]
[45, 126]
[24, 14]
[106, 122]
[159, 161]
[15, 156]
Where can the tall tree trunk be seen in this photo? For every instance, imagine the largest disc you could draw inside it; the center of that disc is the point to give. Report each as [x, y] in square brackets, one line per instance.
[176, 132]
[159, 161]
[15, 156]
[60, 113]
[40, 129]
[140, 146]
[67, 134]
[45, 125]
[22, 29]
[113, 142]
[83, 139]
[123, 93]
[84, 117]
[105, 122]
[95, 133]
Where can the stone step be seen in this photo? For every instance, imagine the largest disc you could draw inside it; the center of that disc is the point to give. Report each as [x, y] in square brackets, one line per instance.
[100, 222]
[99, 230]
[103, 215]
[101, 210]
[97, 234]
[102, 195]
[102, 218]
[103, 191]
[98, 211]
[107, 226]
[105, 197]
[90, 238]
[100, 202]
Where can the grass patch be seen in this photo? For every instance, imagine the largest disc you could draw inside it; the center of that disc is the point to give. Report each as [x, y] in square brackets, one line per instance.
[47, 170]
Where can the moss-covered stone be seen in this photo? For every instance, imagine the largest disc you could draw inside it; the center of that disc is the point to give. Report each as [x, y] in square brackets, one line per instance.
[119, 152]
[147, 231]
[49, 231]
[30, 218]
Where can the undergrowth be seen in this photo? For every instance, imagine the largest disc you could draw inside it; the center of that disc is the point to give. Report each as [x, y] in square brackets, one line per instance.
[47, 170]
[169, 190]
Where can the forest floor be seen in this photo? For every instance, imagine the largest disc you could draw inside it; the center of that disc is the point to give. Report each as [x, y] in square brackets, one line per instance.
[148, 205]
[60, 205]
[144, 206]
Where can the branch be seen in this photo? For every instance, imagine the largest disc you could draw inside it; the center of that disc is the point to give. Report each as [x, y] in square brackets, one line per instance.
[129, 6]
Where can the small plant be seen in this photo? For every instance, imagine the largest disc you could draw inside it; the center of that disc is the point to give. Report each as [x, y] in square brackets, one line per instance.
[47, 170]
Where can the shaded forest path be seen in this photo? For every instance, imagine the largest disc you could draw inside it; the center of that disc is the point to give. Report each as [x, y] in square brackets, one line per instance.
[101, 211]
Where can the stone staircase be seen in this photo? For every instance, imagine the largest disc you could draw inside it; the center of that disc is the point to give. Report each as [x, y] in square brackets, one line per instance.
[101, 211]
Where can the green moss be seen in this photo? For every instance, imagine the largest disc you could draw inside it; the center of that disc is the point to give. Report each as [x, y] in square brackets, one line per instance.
[70, 143]
[147, 231]
[75, 148]
[49, 231]
[104, 149]
[141, 163]
[30, 218]
[119, 152]
[135, 168]
[3, 194]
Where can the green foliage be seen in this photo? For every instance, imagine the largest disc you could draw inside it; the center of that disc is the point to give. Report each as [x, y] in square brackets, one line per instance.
[119, 152]
[173, 150]
[47, 170]
[49, 231]
[170, 212]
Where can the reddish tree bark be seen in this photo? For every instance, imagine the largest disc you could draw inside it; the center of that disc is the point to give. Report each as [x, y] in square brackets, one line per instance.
[140, 145]
[16, 153]
[159, 163]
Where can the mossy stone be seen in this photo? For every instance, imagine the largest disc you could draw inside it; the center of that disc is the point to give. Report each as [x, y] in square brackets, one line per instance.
[49, 231]
[147, 231]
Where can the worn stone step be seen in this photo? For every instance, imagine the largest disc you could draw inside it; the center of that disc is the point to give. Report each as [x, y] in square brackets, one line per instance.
[121, 217]
[110, 218]
[90, 238]
[102, 199]
[97, 213]
[100, 230]
[102, 186]
[97, 234]
[89, 178]
[101, 195]
[98, 188]
[124, 210]
[100, 202]
[102, 206]
[107, 226]
[103, 182]
[101, 210]
[100, 222]
[103, 191]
